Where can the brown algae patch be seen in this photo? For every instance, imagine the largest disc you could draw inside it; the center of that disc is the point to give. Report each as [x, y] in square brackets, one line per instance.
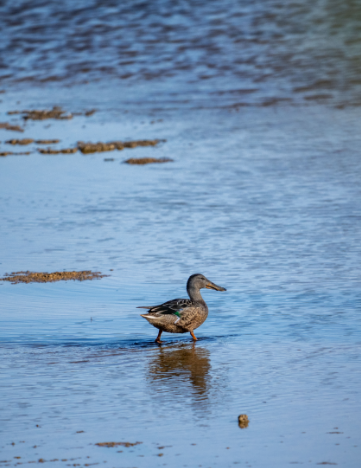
[117, 444]
[119, 145]
[32, 277]
[24, 141]
[326, 463]
[46, 142]
[141, 161]
[134, 144]
[54, 113]
[14, 128]
[87, 148]
[61, 151]
[7, 153]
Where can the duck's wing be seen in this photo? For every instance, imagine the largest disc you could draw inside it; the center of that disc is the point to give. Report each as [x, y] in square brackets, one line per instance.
[174, 306]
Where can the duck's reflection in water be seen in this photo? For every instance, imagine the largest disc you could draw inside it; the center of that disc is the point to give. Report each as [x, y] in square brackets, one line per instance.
[181, 374]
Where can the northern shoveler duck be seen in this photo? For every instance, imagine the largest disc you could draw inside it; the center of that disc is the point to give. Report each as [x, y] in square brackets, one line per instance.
[182, 315]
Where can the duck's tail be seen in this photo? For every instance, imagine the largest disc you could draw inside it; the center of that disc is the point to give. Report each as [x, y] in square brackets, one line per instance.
[148, 317]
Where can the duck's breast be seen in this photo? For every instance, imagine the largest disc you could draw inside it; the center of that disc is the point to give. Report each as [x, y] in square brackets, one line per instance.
[193, 317]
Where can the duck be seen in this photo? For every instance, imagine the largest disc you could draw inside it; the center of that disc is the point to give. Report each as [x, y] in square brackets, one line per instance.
[182, 315]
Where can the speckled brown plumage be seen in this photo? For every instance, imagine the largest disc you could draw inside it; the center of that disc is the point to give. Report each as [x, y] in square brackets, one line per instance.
[182, 315]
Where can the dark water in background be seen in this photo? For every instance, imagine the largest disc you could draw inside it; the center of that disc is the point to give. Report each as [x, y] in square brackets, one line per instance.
[229, 52]
[259, 104]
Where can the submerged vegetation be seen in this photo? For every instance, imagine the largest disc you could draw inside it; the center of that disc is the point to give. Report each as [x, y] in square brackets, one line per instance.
[13, 128]
[88, 148]
[55, 113]
[32, 277]
[117, 444]
[61, 151]
[46, 142]
[24, 141]
[142, 161]
[11, 153]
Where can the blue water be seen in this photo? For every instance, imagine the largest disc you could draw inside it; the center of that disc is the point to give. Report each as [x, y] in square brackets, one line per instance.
[263, 197]
[229, 52]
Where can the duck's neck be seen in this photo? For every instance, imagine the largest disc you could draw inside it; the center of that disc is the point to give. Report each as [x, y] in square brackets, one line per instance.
[195, 294]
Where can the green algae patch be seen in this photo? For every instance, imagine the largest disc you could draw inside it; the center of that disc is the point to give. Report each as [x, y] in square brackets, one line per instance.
[117, 444]
[142, 161]
[32, 277]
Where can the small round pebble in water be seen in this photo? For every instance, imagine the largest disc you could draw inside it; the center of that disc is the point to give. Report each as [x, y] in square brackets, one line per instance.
[243, 421]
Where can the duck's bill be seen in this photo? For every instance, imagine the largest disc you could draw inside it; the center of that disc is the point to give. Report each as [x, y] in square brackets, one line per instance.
[215, 287]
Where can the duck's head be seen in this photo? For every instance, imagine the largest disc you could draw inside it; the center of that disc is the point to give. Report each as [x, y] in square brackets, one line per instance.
[199, 281]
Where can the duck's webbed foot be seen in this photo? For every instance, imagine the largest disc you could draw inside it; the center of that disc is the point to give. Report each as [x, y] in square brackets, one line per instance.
[157, 340]
[193, 336]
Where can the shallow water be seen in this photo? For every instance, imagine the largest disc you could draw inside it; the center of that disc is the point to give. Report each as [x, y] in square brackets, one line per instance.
[265, 203]
[262, 199]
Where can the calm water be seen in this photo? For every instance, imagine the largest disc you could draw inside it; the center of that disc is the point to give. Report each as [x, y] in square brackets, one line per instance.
[262, 198]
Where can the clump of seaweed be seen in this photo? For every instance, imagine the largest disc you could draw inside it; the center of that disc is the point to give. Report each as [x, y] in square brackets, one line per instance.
[46, 142]
[117, 444]
[119, 145]
[7, 153]
[147, 160]
[24, 141]
[54, 113]
[135, 143]
[14, 128]
[87, 148]
[32, 277]
[61, 151]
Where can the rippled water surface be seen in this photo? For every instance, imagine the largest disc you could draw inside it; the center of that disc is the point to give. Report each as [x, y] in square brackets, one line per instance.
[229, 52]
[263, 197]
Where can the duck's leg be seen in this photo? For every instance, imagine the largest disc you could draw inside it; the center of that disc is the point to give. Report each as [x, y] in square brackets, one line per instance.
[158, 337]
[193, 336]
